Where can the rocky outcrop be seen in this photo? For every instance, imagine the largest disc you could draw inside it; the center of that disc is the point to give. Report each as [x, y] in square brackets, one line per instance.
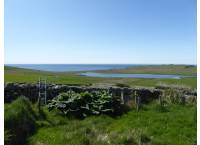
[14, 90]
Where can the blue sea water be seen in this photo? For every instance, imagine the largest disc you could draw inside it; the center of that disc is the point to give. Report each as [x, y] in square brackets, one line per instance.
[72, 67]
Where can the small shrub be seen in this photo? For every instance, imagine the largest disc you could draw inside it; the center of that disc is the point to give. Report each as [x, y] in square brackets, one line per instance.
[84, 104]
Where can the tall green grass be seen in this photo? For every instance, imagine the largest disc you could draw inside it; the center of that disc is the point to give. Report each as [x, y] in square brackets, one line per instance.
[19, 121]
[176, 125]
[170, 124]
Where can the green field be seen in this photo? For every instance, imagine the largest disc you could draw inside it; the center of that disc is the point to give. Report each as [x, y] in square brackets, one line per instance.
[158, 69]
[24, 75]
[176, 125]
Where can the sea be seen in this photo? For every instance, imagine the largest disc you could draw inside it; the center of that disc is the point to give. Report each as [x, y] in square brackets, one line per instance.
[73, 67]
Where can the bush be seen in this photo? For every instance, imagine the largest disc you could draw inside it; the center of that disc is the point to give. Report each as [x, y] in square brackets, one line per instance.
[84, 104]
[19, 121]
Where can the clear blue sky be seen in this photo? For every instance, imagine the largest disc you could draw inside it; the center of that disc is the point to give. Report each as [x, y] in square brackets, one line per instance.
[100, 31]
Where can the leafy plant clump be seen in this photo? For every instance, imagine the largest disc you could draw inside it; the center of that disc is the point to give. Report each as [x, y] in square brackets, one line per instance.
[84, 104]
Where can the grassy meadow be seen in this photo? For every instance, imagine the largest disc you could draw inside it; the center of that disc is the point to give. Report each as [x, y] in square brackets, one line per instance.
[188, 70]
[176, 125]
[149, 126]
[172, 124]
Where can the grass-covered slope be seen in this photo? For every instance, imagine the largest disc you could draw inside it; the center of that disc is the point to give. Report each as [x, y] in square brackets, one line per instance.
[13, 74]
[188, 70]
[175, 126]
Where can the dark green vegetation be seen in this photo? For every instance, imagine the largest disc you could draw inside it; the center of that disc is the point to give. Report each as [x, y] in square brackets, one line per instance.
[85, 104]
[19, 121]
[24, 75]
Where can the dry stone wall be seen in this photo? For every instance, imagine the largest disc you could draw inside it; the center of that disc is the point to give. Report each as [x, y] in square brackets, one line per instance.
[14, 90]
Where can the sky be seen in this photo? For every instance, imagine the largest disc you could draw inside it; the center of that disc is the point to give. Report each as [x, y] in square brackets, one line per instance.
[100, 31]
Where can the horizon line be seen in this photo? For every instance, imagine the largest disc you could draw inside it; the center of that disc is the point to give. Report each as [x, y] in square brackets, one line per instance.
[98, 64]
